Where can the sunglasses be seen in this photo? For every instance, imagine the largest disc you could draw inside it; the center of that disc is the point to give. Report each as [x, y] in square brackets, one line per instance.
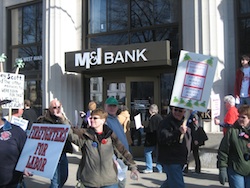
[95, 118]
[178, 110]
[55, 107]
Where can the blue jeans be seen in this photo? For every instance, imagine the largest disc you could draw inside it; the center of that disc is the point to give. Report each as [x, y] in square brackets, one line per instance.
[236, 180]
[149, 158]
[61, 173]
[174, 176]
[108, 186]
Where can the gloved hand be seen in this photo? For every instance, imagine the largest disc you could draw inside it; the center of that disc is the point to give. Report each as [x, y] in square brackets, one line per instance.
[223, 175]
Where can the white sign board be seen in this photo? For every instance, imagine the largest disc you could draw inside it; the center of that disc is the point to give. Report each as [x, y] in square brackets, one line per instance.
[138, 123]
[215, 105]
[23, 123]
[43, 148]
[193, 81]
[12, 88]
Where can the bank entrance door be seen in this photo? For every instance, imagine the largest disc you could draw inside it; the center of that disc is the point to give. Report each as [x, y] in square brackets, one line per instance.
[141, 92]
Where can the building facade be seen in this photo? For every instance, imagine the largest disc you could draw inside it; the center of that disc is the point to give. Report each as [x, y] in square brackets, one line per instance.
[85, 50]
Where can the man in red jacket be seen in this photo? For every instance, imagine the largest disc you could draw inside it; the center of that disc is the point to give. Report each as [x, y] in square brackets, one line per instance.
[242, 84]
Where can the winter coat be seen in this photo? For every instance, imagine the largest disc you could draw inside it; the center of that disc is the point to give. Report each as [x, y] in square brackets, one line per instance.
[124, 119]
[151, 130]
[97, 167]
[170, 149]
[238, 82]
[234, 151]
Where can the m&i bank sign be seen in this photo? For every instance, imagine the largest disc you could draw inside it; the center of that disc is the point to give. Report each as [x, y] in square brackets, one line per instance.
[119, 57]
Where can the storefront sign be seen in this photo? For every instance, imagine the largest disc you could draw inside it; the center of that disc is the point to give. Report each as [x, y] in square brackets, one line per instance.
[12, 88]
[43, 149]
[88, 59]
[193, 81]
[118, 57]
[32, 58]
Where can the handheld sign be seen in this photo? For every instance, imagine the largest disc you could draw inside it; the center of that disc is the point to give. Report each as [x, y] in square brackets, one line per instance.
[12, 88]
[23, 123]
[43, 148]
[193, 81]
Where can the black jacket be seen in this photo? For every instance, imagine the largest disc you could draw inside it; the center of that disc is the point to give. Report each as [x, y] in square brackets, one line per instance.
[151, 130]
[171, 151]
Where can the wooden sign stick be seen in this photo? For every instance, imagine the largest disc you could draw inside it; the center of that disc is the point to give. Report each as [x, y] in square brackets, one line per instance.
[184, 124]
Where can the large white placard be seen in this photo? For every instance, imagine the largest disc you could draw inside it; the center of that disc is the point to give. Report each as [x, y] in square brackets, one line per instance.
[12, 88]
[193, 81]
[43, 149]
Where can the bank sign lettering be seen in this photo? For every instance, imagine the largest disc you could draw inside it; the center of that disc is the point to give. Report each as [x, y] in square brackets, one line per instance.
[88, 59]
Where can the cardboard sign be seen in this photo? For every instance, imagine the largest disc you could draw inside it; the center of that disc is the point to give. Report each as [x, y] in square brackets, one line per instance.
[215, 105]
[43, 148]
[12, 88]
[193, 81]
[23, 123]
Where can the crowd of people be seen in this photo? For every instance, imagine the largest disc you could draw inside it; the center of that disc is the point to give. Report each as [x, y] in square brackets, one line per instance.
[105, 141]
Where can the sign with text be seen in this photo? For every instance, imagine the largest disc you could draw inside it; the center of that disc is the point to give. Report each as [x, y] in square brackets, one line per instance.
[43, 148]
[193, 81]
[12, 88]
[23, 123]
[215, 105]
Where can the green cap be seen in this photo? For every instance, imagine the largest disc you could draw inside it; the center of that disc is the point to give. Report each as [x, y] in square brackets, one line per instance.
[111, 101]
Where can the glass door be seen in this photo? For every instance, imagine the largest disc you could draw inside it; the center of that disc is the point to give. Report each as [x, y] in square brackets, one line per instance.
[141, 92]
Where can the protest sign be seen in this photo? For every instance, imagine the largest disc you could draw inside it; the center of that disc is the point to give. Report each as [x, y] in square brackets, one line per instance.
[43, 148]
[193, 81]
[23, 123]
[138, 123]
[12, 88]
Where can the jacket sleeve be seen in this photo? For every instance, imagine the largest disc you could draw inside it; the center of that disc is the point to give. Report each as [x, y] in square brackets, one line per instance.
[76, 136]
[223, 152]
[122, 153]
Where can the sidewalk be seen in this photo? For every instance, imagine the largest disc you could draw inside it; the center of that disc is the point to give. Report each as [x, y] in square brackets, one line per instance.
[207, 179]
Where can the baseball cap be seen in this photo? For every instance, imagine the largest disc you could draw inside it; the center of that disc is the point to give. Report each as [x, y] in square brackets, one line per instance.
[111, 101]
[2, 102]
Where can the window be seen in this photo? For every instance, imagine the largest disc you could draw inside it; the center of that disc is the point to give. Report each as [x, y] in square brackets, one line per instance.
[121, 22]
[243, 15]
[25, 34]
[107, 15]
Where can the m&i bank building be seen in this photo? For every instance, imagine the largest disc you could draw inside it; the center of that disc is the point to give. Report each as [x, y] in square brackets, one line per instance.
[83, 50]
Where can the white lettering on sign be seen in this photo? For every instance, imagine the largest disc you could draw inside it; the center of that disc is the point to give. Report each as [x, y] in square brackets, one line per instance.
[89, 59]
[32, 58]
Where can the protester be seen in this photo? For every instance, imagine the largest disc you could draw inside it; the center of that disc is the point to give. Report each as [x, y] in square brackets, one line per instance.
[231, 115]
[234, 152]
[198, 139]
[242, 84]
[91, 106]
[111, 107]
[55, 115]
[173, 150]
[98, 144]
[29, 113]
[12, 140]
[124, 119]
[150, 144]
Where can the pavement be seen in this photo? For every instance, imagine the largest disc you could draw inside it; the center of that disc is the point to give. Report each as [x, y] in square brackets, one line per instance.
[207, 179]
